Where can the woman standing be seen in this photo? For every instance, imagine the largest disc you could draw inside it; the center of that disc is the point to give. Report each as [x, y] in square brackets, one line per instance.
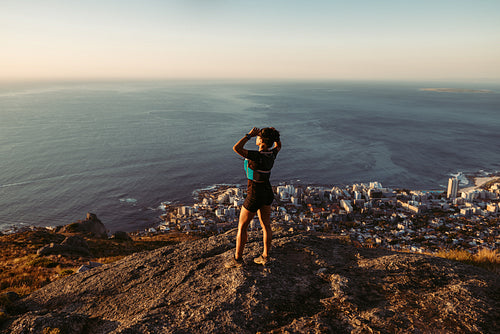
[258, 165]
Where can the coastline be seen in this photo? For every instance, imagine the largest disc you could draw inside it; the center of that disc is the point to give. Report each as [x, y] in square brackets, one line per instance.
[480, 181]
[475, 181]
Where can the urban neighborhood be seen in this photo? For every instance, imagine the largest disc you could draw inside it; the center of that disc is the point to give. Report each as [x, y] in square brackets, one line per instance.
[367, 213]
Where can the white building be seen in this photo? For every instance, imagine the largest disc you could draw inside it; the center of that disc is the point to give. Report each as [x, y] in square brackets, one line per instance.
[220, 212]
[346, 205]
[186, 210]
[223, 198]
[466, 211]
[452, 187]
[493, 207]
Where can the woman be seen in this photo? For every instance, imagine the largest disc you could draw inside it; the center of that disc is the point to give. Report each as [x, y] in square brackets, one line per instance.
[260, 194]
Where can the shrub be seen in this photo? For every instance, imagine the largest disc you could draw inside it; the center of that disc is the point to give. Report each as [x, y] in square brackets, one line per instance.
[66, 272]
[485, 258]
[5, 301]
[455, 254]
[3, 317]
[50, 330]
[42, 262]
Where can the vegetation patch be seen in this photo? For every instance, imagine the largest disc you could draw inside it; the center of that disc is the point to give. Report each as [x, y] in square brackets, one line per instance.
[66, 272]
[3, 317]
[4, 301]
[50, 330]
[22, 271]
[43, 262]
[484, 258]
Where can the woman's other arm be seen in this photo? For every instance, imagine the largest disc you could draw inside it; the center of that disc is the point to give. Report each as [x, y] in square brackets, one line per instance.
[278, 145]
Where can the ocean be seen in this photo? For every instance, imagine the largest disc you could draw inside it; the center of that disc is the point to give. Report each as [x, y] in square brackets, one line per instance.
[119, 149]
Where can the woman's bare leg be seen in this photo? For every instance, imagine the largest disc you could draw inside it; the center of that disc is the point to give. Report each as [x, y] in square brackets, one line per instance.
[241, 238]
[265, 221]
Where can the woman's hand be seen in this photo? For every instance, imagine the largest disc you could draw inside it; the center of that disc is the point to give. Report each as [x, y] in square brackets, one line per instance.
[254, 132]
[238, 147]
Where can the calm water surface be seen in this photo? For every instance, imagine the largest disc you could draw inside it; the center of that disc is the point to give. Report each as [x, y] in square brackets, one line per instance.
[119, 149]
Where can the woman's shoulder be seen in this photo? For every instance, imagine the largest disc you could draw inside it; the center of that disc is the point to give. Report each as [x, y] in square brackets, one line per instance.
[253, 155]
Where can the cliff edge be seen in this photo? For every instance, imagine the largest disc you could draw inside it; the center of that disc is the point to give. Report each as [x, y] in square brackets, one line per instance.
[315, 284]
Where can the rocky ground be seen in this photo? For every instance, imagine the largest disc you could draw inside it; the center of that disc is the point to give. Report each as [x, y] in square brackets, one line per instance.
[315, 284]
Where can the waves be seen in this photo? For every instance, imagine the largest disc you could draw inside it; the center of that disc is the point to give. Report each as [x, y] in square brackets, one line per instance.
[52, 178]
[462, 178]
[128, 200]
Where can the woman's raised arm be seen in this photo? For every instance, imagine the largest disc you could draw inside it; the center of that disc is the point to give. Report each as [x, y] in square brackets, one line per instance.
[238, 147]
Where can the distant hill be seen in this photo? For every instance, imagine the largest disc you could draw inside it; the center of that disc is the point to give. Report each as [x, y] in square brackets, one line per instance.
[315, 284]
[456, 90]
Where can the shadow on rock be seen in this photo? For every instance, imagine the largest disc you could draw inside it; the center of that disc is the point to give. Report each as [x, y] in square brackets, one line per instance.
[314, 283]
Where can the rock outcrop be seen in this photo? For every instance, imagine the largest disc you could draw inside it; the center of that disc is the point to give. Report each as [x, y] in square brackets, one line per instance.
[88, 266]
[314, 284]
[91, 227]
[72, 245]
[121, 236]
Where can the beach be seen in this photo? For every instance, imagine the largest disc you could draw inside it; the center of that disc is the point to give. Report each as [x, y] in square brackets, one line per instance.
[479, 182]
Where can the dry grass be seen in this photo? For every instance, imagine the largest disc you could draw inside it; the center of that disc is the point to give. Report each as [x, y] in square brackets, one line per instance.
[22, 271]
[485, 258]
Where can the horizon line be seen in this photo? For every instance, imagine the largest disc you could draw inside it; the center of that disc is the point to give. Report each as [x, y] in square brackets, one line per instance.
[248, 79]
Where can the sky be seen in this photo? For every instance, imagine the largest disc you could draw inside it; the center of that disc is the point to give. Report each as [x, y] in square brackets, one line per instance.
[454, 40]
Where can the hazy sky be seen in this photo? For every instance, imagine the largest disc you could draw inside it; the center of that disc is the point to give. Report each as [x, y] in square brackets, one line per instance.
[313, 39]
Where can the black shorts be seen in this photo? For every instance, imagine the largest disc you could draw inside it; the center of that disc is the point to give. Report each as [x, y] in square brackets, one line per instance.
[258, 195]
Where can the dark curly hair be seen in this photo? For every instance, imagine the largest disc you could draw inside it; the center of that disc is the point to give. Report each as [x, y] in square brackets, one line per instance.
[269, 136]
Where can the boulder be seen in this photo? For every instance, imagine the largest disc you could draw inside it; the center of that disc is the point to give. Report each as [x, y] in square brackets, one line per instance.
[10, 296]
[72, 245]
[121, 236]
[51, 248]
[6, 301]
[90, 265]
[75, 241]
[91, 227]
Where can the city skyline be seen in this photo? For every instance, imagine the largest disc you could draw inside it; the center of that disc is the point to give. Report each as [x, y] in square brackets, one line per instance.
[194, 39]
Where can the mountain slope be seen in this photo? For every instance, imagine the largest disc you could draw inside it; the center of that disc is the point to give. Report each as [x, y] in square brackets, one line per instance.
[316, 283]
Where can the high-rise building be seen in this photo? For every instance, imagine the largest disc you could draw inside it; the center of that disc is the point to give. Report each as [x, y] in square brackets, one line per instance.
[452, 187]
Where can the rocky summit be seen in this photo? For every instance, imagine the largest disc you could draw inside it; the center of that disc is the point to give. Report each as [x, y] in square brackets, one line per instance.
[314, 283]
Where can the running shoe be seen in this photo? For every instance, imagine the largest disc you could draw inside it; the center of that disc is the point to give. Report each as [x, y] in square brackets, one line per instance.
[261, 260]
[233, 263]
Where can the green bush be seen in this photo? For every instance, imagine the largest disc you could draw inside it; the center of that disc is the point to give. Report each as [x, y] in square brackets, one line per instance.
[50, 330]
[3, 317]
[66, 272]
[4, 301]
[42, 262]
